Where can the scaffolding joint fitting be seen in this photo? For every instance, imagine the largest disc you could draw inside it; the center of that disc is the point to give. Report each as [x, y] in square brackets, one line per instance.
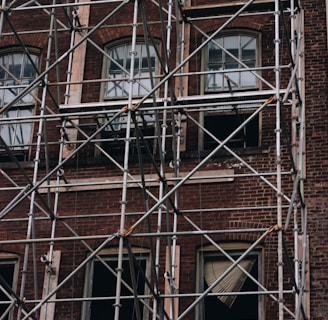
[278, 161]
[45, 259]
[273, 228]
[5, 10]
[281, 301]
[177, 212]
[117, 305]
[134, 107]
[126, 233]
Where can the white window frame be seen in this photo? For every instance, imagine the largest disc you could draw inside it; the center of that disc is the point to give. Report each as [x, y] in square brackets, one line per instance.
[14, 129]
[120, 75]
[236, 106]
[234, 249]
[232, 78]
[114, 134]
[11, 259]
[111, 254]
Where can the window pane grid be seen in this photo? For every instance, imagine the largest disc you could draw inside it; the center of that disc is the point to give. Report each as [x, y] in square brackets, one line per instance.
[16, 135]
[241, 47]
[121, 67]
[20, 71]
[17, 72]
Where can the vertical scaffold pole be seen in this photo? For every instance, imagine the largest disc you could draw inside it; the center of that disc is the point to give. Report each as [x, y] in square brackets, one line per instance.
[48, 309]
[3, 5]
[163, 152]
[278, 162]
[117, 304]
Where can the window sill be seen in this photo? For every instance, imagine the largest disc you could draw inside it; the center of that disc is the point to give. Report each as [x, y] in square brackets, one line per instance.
[222, 153]
[13, 165]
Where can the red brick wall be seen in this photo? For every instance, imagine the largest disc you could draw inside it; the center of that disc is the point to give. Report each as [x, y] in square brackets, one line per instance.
[240, 193]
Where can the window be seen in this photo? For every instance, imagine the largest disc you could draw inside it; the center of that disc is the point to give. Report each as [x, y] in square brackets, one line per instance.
[8, 278]
[17, 70]
[101, 282]
[227, 58]
[114, 134]
[221, 125]
[221, 300]
[230, 64]
[118, 68]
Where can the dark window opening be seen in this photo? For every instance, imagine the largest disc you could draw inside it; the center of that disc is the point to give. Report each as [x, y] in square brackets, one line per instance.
[7, 271]
[221, 300]
[114, 142]
[221, 126]
[104, 285]
[113, 136]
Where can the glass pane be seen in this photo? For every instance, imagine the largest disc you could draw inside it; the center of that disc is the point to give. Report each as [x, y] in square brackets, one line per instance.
[232, 81]
[29, 71]
[214, 81]
[115, 67]
[242, 48]
[122, 55]
[116, 88]
[27, 99]
[231, 42]
[230, 60]
[248, 48]
[15, 65]
[21, 72]
[2, 63]
[247, 79]
[16, 134]
[215, 56]
[10, 93]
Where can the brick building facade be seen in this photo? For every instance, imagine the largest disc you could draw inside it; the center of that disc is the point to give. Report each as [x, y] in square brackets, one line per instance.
[163, 160]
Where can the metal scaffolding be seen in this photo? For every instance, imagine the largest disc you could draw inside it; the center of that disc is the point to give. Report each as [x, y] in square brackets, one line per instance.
[69, 123]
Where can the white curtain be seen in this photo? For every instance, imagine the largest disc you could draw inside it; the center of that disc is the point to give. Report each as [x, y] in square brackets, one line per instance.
[232, 282]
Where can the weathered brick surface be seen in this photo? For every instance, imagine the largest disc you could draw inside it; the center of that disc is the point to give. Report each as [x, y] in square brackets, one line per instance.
[86, 212]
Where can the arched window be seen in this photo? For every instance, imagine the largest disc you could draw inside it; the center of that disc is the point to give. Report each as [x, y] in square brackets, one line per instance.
[17, 71]
[117, 69]
[118, 66]
[231, 61]
[233, 292]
